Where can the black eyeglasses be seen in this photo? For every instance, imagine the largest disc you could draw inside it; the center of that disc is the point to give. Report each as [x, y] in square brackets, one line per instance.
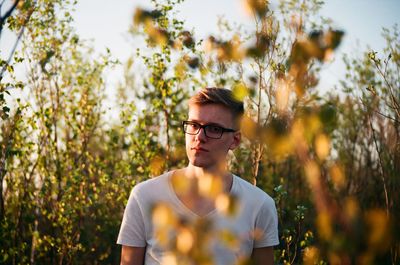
[211, 131]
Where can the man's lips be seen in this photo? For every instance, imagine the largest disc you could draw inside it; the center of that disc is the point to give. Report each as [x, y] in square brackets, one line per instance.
[197, 148]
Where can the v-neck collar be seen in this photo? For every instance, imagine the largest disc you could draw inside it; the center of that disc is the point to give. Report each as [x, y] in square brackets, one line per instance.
[186, 209]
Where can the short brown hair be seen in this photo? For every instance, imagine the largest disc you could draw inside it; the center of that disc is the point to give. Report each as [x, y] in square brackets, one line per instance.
[223, 96]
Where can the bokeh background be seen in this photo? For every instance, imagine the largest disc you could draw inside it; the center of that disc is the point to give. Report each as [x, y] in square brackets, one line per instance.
[92, 94]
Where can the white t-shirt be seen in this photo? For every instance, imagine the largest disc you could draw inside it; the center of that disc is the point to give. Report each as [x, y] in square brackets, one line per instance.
[256, 212]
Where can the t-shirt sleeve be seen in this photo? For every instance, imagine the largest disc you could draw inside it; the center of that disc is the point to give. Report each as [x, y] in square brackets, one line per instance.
[267, 225]
[132, 231]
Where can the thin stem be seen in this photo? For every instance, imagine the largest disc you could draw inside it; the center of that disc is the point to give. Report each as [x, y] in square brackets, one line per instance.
[380, 165]
[396, 105]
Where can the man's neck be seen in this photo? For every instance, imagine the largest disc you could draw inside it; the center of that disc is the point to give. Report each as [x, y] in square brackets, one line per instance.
[220, 171]
[197, 174]
[198, 188]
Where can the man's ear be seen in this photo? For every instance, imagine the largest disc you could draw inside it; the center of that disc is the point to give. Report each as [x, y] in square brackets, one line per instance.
[237, 137]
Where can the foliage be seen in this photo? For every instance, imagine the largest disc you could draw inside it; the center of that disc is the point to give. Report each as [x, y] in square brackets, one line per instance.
[330, 160]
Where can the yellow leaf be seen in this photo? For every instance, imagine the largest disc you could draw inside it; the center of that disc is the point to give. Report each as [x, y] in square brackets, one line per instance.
[351, 208]
[169, 259]
[324, 225]
[184, 240]
[229, 239]
[180, 183]
[282, 94]
[337, 176]
[156, 35]
[157, 165]
[163, 216]
[312, 173]
[322, 146]
[240, 91]
[249, 127]
[226, 204]
[210, 186]
[378, 223]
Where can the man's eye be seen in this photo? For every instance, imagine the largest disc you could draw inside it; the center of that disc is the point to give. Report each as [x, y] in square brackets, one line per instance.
[214, 129]
[194, 126]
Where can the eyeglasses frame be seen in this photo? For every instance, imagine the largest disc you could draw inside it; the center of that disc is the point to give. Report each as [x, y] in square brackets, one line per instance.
[204, 129]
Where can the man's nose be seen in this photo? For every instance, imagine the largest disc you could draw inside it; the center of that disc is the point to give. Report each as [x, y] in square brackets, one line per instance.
[202, 134]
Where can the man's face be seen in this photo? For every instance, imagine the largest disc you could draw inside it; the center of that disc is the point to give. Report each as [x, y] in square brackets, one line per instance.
[206, 152]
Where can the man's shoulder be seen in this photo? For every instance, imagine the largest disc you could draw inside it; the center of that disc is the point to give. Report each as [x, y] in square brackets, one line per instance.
[152, 185]
[252, 192]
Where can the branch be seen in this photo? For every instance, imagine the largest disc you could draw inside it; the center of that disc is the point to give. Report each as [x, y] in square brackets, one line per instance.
[396, 105]
[380, 113]
[7, 14]
[19, 35]
[386, 116]
[3, 69]
[379, 151]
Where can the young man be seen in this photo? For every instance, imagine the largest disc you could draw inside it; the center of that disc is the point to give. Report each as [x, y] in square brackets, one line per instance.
[196, 192]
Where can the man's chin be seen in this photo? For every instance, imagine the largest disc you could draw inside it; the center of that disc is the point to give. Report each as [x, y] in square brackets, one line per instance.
[203, 163]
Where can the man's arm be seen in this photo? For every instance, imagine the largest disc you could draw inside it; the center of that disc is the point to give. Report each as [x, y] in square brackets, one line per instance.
[263, 256]
[132, 255]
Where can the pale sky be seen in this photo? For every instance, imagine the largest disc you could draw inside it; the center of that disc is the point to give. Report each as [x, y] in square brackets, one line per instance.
[106, 24]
